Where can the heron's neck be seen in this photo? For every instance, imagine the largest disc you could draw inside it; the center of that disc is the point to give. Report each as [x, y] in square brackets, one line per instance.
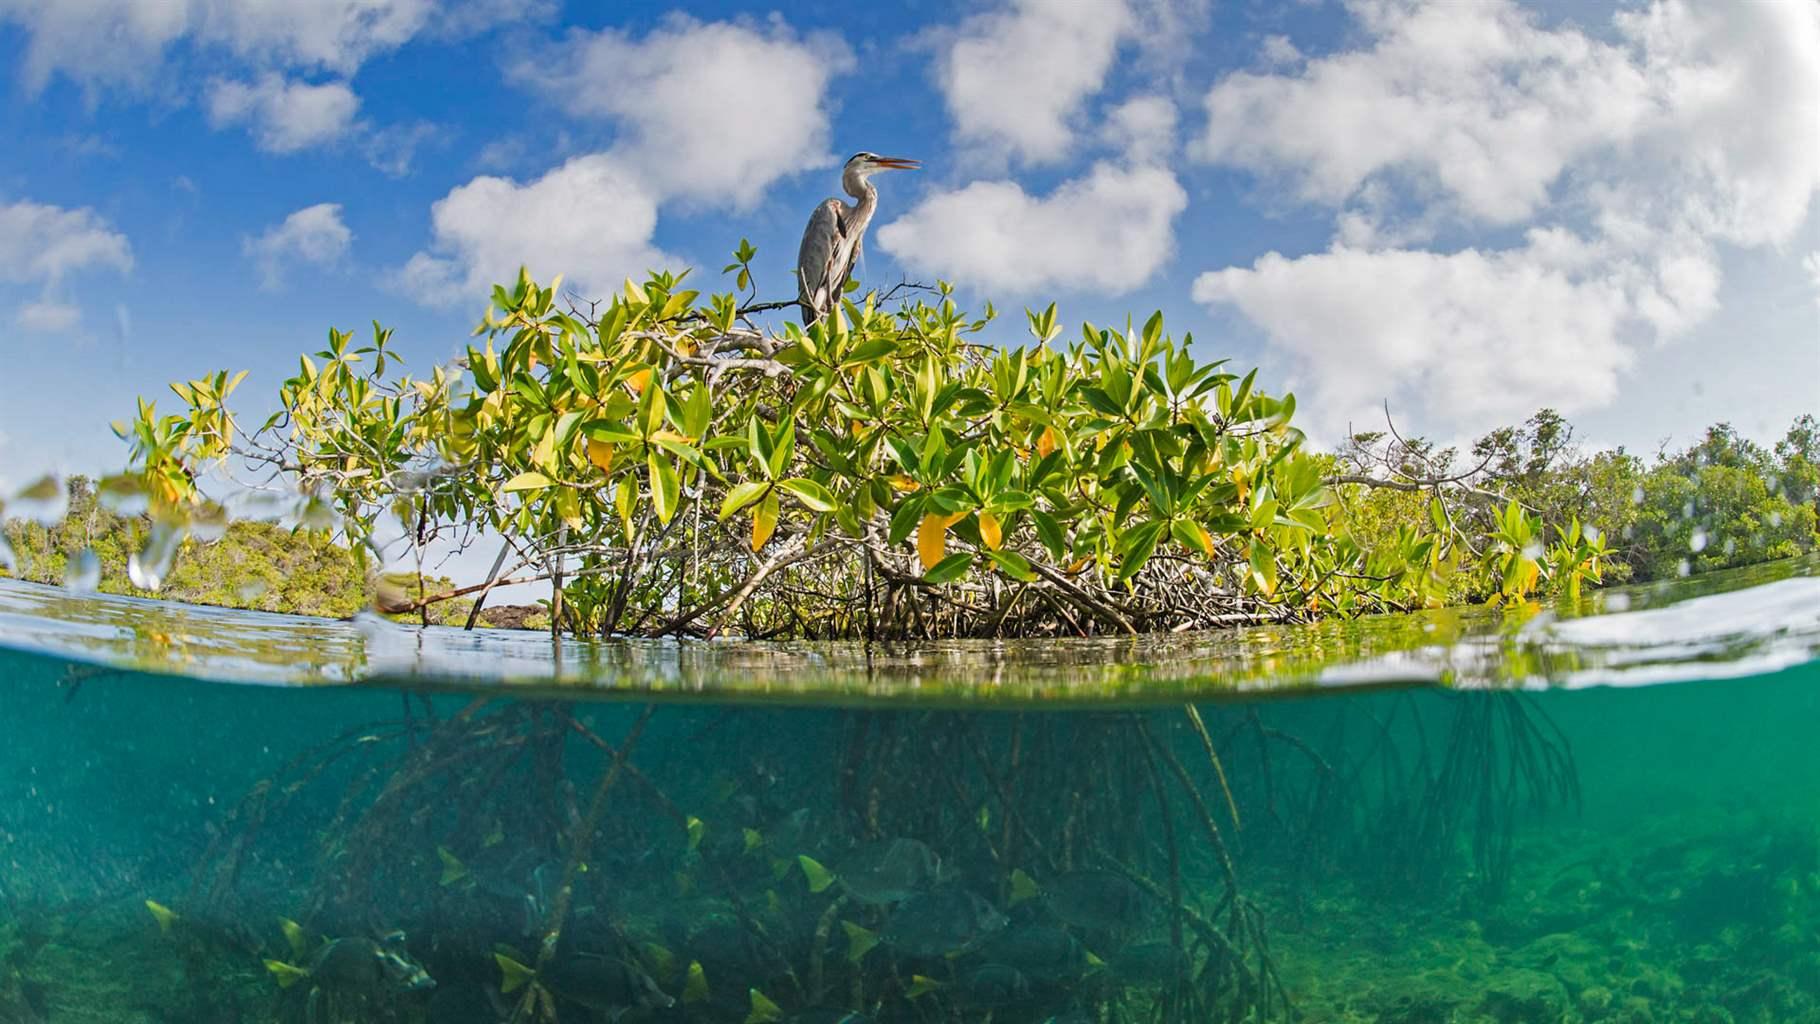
[862, 190]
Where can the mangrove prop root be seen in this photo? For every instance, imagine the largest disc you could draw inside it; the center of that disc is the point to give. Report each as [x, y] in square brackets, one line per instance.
[583, 842]
[1213, 755]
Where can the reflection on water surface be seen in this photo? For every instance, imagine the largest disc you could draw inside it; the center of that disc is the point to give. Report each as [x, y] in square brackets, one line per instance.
[1734, 623]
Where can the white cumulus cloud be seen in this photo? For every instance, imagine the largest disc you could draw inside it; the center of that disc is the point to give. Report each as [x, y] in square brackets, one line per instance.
[590, 219]
[1630, 159]
[1017, 79]
[43, 243]
[246, 61]
[46, 245]
[333, 35]
[315, 235]
[284, 116]
[1466, 335]
[96, 41]
[1473, 100]
[1142, 128]
[1109, 230]
[125, 42]
[762, 88]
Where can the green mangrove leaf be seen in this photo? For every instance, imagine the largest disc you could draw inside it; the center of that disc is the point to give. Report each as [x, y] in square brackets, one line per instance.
[949, 569]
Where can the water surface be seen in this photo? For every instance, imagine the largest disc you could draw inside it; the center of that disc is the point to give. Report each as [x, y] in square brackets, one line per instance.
[1600, 813]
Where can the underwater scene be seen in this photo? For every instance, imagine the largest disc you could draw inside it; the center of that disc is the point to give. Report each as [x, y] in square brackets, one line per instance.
[1601, 814]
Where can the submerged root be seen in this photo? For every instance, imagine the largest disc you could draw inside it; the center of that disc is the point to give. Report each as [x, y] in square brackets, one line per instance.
[721, 865]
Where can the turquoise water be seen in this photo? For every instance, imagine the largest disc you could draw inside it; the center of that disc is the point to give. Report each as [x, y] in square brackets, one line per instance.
[1607, 813]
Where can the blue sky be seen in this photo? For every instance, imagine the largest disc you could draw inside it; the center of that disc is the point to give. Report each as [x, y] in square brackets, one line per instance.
[1467, 210]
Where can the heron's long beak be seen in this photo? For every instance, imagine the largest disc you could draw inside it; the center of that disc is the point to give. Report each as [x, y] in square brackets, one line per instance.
[898, 163]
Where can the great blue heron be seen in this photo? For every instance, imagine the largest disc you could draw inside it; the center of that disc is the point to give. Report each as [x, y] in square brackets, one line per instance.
[832, 240]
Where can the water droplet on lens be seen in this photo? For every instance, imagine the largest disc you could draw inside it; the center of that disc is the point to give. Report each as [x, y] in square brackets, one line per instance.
[1532, 551]
[390, 597]
[148, 568]
[122, 495]
[83, 573]
[1697, 543]
[251, 590]
[316, 514]
[209, 523]
[43, 501]
[1636, 495]
[1684, 568]
[262, 505]
[1617, 602]
[7, 561]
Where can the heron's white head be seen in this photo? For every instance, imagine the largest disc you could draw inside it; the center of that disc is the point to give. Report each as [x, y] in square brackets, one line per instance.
[863, 165]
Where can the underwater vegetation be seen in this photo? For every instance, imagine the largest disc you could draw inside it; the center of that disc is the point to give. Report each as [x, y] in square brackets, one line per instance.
[536, 869]
[1399, 857]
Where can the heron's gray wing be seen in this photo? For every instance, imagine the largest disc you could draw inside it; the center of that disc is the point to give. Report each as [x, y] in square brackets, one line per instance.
[819, 279]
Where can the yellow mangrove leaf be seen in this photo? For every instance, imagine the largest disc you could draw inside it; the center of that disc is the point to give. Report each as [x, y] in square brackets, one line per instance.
[568, 507]
[990, 530]
[764, 521]
[932, 538]
[601, 454]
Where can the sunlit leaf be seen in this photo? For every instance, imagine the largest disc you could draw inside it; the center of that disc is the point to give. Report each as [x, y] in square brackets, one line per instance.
[764, 521]
[932, 537]
[990, 531]
[810, 493]
[600, 453]
[742, 494]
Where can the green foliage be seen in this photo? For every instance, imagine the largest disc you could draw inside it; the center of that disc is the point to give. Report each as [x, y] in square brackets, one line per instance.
[1722, 502]
[695, 468]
